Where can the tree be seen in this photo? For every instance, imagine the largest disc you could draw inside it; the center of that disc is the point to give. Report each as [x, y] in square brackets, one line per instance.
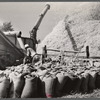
[7, 26]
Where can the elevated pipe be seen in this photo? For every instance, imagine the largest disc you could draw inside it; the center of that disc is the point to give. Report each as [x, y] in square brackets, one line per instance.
[33, 33]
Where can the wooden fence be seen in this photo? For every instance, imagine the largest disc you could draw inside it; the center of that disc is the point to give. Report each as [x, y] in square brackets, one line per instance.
[86, 53]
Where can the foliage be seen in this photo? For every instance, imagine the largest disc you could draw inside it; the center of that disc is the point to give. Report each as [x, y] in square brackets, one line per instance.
[7, 26]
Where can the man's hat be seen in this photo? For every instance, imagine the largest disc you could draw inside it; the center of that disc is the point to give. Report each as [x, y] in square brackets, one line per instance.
[26, 45]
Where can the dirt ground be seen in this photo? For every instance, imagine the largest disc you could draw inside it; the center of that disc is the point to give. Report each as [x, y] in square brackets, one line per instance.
[94, 94]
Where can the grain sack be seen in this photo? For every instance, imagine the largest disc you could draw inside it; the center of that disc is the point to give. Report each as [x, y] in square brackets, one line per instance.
[43, 94]
[97, 82]
[17, 86]
[84, 84]
[30, 88]
[4, 87]
[41, 88]
[11, 90]
[92, 79]
[69, 87]
[61, 81]
[76, 84]
[49, 86]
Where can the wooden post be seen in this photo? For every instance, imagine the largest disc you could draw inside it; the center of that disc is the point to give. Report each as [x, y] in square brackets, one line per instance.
[44, 53]
[87, 52]
[62, 57]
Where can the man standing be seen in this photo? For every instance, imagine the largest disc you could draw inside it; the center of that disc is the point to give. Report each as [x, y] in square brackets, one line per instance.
[30, 53]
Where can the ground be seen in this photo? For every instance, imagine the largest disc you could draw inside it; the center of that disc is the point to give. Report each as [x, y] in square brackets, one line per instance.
[94, 94]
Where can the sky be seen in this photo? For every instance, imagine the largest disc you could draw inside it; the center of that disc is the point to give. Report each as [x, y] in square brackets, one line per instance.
[23, 15]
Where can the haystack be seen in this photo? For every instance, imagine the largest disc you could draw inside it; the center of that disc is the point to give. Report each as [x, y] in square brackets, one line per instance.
[77, 30]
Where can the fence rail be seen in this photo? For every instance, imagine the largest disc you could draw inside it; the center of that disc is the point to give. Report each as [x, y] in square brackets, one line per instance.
[66, 51]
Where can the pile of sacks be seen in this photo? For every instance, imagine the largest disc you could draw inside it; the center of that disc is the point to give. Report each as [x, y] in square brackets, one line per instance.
[48, 80]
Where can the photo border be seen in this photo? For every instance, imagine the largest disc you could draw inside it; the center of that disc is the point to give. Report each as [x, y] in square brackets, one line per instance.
[50, 1]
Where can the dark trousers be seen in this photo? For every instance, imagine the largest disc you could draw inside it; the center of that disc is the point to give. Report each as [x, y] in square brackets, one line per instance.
[27, 59]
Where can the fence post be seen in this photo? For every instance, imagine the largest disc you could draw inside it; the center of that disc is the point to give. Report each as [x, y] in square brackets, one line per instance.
[87, 52]
[44, 53]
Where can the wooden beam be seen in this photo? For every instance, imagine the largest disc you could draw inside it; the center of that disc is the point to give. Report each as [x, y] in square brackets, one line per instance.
[66, 51]
[87, 52]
